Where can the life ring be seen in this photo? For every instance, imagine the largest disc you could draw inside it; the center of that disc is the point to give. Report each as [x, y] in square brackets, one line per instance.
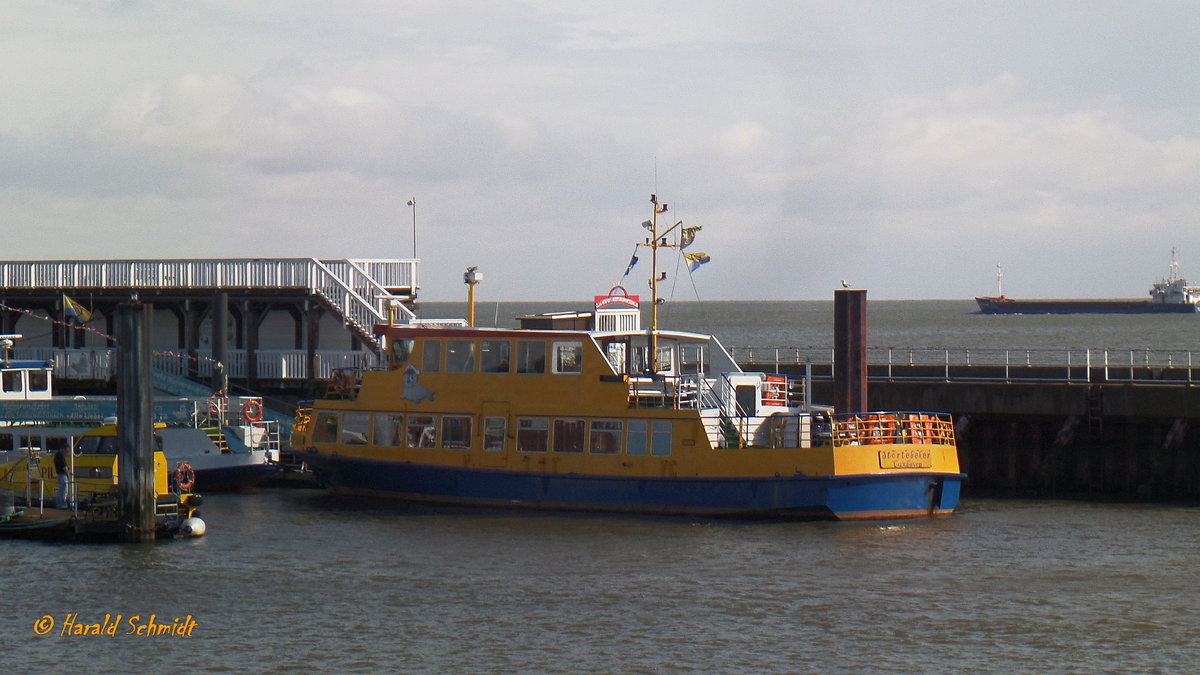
[215, 404]
[185, 477]
[339, 382]
[253, 411]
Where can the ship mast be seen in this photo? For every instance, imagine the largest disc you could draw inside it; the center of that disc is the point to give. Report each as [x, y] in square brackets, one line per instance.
[654, 241]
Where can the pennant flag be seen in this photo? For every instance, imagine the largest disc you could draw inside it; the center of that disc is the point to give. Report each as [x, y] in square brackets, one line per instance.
[632, 261]
[687, 235]
[695, 260]
[74, 310]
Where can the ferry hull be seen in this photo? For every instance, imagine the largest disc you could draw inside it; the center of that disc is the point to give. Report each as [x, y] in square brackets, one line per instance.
[1009, 306]
[234, 478]
[908, 495]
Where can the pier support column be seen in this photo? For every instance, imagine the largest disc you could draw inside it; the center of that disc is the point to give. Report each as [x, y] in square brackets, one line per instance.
[850, 350]
[220, 343]
[135, 412]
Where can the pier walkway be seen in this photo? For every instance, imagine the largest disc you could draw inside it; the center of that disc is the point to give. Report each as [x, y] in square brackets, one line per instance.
[280, 314]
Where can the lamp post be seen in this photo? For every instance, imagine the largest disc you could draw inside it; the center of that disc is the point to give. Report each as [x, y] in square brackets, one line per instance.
[413, 203]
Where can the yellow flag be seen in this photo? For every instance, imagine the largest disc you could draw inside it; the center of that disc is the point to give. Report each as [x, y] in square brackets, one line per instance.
[74, 309]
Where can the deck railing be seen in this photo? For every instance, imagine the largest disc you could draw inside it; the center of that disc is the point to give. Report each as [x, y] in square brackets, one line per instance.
[1067, 365]
[360, 290]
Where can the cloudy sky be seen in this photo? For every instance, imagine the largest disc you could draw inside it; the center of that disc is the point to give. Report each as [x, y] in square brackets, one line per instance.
[908, 147]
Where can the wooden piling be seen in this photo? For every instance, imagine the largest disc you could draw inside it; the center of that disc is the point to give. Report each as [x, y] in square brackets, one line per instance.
[135, 430]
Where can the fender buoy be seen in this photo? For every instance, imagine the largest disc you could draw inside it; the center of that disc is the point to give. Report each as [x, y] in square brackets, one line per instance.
[185, 477]
[253, 411]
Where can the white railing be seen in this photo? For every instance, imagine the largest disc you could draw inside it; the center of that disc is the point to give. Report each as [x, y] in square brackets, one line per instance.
[359, 290]
[1087, 365]
[273, 364]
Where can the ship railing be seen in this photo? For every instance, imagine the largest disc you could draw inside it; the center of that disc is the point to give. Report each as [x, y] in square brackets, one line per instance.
[97, 363]
[880, 428]
[1170, 367]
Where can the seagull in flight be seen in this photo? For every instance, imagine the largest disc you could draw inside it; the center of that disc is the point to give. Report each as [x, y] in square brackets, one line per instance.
[845, 284]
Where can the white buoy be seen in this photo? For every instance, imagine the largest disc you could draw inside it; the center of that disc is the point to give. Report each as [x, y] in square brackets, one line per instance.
[192, 527]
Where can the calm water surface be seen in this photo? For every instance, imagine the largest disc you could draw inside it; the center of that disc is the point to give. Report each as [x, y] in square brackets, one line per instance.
[294, 580]
[297, 581]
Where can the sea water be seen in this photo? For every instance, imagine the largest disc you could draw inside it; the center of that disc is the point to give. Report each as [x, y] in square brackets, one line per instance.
[295, 580]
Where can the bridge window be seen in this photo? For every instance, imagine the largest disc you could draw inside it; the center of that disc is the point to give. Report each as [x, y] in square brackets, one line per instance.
[660, 441]
[638, 435]
[606, 437]
[568, 357]
[531, 357]
[402, 349]
[325, 429]
[460, 356]
[389, 430]
[422, 431]
[533, 434]
[568, 435]
[456, 432]
[494, 356]
[493, 433]
[11, 381]
[39, 380]
[431, 356]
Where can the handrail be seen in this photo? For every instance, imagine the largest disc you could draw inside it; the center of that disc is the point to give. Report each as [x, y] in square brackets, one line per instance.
[1070, 365]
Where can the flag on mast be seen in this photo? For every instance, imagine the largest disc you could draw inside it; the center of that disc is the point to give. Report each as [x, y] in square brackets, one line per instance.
[72, 309]
[687, 235]
[695, 260]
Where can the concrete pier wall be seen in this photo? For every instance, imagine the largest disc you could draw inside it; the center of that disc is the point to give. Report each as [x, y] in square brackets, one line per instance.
[1057, 439]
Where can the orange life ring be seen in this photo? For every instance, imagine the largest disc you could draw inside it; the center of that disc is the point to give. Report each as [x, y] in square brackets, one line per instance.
[185, 477]
[253, 411]
[215, 404]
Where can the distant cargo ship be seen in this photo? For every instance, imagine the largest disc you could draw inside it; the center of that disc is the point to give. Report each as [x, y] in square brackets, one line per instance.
[1171, 295]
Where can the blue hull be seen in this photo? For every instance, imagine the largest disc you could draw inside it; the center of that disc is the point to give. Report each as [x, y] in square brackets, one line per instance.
[798, 497]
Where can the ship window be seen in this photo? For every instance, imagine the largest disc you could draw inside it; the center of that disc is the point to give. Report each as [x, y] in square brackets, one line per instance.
[355, 426]
[531, 357]
[660, 441]
[55, 443]
[606, 437]
[431, 356]
[493, 433]
[568, 357]
[568, 435]
[637, 437]
[532, 434]
[31, 442]
[325, 430]
[389, 430]
[422, 431]
[39, 380]
[460, 356]
[494, 356]
[456, 432]
[616, 352]
[6, 442]
[662, 363]
[12, 380]
[401, 350]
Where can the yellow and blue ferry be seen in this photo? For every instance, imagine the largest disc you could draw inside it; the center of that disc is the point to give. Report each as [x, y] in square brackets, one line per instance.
[607, 416]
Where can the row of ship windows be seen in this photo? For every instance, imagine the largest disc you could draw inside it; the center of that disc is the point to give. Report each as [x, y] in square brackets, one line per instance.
[14, 381]
[492, 356]
[533, 434]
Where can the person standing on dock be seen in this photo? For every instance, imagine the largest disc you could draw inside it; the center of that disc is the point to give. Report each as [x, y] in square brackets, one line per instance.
[60, 468]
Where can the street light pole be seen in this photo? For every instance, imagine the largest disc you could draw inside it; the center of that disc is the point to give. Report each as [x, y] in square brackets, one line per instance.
[413, 203]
